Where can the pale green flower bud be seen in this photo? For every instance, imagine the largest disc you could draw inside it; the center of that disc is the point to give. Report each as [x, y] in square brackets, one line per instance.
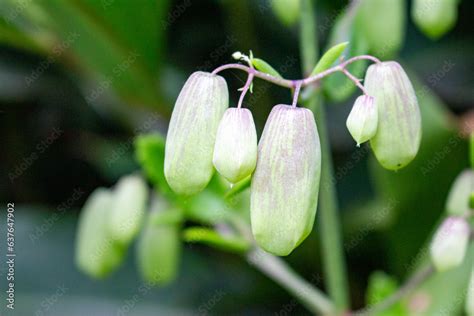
[460, 193]
[284, 189]
[449, 244]
[382, 24]
[398, 136]
[128, 208]
[363, 119]
[470, 295]
[435, 17]
[192, 132]
[97, 253]
[159, 247]
[235, 152]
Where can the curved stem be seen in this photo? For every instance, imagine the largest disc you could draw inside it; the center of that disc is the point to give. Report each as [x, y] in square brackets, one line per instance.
[245, 89]
[277, 269]
[296, 94]
[291, 83]
[355, 80]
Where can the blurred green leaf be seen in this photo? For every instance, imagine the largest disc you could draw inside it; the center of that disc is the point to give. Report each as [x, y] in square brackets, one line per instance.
[207, 207]
[329, 58]
[150, 154]
[213, 239]
[265, 67]
[381, 286]
[338, 87]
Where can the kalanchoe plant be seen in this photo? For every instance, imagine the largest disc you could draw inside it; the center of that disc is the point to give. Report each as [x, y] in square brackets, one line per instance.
[363, 120]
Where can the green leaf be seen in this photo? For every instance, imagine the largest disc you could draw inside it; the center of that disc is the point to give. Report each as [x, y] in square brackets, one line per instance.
[207, 208]
[329, 58]
[150, 154]
[213, 239]
[471, 146]
[380, 287]
[265, 67]
[338, 87]
[118, 42]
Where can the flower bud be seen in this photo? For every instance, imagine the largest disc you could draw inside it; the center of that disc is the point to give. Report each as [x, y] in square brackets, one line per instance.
[460, 193]
[192, 132]
[363, 119]
[128, 208]
[382, 24]
[96, 253]
[398, 135]
[159, 248]
[434, 17]
[450, 243]
[284, 189]
[235, 152]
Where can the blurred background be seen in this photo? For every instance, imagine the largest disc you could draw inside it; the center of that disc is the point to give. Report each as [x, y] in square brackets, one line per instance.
[79, 79]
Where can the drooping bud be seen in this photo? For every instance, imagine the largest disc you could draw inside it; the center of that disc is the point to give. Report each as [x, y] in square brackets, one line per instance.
[128, 208]
[192, 132]
[363, 119]
[382, 24]
[460, 193]
[159, 247]
[450, 243]
[284, 189]
[235, 152]
[435, 17]
[398, 135]
[97, 254]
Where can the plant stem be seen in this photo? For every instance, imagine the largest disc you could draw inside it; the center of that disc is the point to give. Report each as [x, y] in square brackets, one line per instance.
[276, 269]
[333, 255]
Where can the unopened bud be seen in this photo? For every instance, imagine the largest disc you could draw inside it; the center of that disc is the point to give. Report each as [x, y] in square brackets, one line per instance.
[192, 132]
[284, 189]
[450, 243]
[435, 17]
[459, 196]
[235, 152]
[398, 136]
[97, 254]
[363, 119]
[128, 208]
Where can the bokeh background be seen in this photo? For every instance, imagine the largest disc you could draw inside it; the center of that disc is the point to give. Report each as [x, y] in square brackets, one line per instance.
[80, 78]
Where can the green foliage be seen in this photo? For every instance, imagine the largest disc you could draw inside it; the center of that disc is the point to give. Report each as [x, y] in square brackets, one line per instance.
[150, 153]
[329, 58]
[287, 11]
[380, 287]
[214, 239]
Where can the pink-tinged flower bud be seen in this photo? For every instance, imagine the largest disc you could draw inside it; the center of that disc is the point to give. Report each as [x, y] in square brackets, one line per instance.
[235, 152]
[192, 132]
[435, 17]
[398, 135]
[284, 189]
[363, 119]
[460, 193]
[450, 243]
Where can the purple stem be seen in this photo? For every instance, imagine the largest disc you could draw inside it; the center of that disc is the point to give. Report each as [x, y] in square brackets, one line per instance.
[245, 89]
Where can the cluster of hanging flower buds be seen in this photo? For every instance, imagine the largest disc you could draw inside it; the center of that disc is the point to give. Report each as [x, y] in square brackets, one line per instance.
[205, 134]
